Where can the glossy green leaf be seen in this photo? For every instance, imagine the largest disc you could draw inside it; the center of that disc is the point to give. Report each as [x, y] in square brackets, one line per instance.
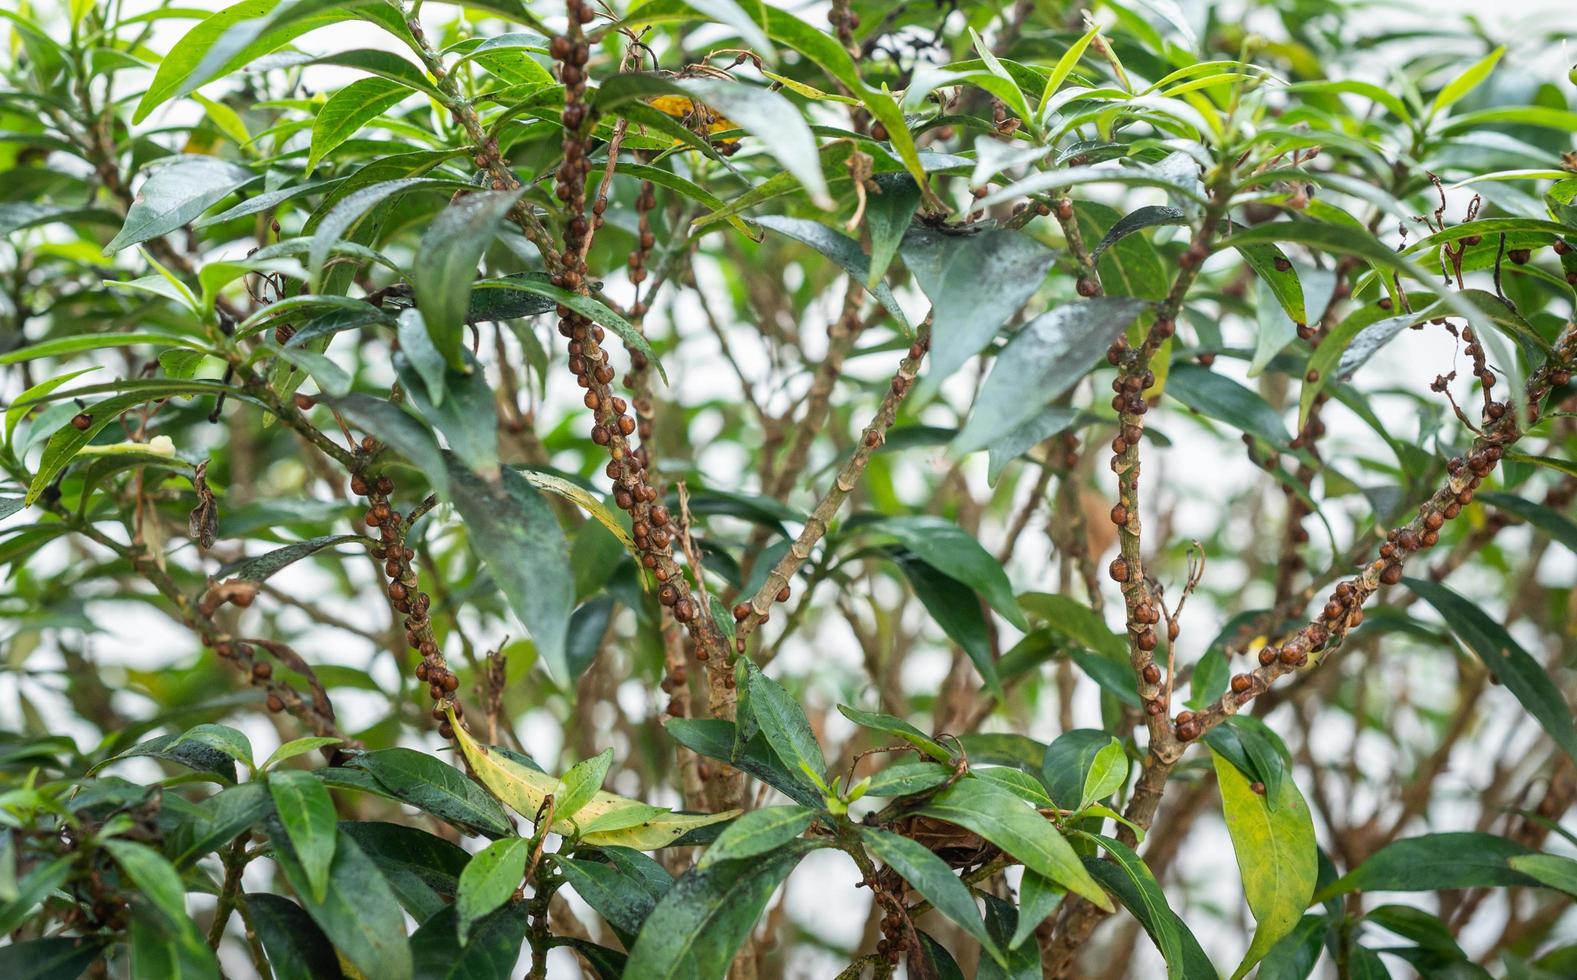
[1459, 87]
[757, 832]
[306, 811]
[887, 217]
[1008, 822]
[177, 194]
[490, 950]
[764, 114]
[975, 284]
[1069, 765]
[358, 913]
[1219, 397]
[841, 249]
[446, 265]
[54, 958]
[956, 609]
[879, 722]
[580, 783]
[1433, 862]
[1133, 884]
[348, 110]
[950, 550]
[297, 948]
[1047, 356]
[782, 721]
[489, 879]
[1505, 658]
[932, 878]
[515, 533]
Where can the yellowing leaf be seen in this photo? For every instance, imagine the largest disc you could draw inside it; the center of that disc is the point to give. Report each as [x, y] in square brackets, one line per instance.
[1275, 852]
[524, 790]
[688, 110]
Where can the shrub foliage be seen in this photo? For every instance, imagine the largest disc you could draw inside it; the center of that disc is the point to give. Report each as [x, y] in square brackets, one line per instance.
[949, 435]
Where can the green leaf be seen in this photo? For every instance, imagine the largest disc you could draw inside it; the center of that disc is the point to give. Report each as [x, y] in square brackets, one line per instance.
[436, 787]
[94, 341]
[1276, 854]
[35, 888]
[1128, 878]
[192, 753]
[446, 262]
[1299, 951]
[887, 216]
[1022, 963]
[1069, 765]
[306, 811]
[1459, 87]
[348, 110]
[299, 746]
[269, 563]
[192, 60]
[218, 820]
[1506, 660]
[932, 878]
[467, 415]
[55, 958]
[764, 114]
[384, 64]
[515, 533]
[1008, 822]
[622, 898]
[155, 879]
[350, 209]
[597, 313]
[1108, 773]
[699, 924]
[956, 609]
[876, 721]
[1434, 862]
[841, 249]
[489, 879]
[1219, 397]
[423, 870]
[396, 428]
[297, 948]
[1038, 898]
[177, 194]
[490, 951]
[158, 952]
[824, 51]
[1047, 357]
[1127, 265]
[951, 550]
[782, 721]
[1558, 526]
[221, 738]
[758, 832]
[975, 284]
[580, 784]
[1281, 281]
[714, 738]
[1346, 348]
[908, 779]
[358, 913]
[1550, 869]
[69, 440]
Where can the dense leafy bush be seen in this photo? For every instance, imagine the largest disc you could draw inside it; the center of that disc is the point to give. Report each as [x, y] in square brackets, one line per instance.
[837, 554]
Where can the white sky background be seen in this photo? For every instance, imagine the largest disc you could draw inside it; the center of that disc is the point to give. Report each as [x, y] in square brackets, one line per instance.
[820, 895]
